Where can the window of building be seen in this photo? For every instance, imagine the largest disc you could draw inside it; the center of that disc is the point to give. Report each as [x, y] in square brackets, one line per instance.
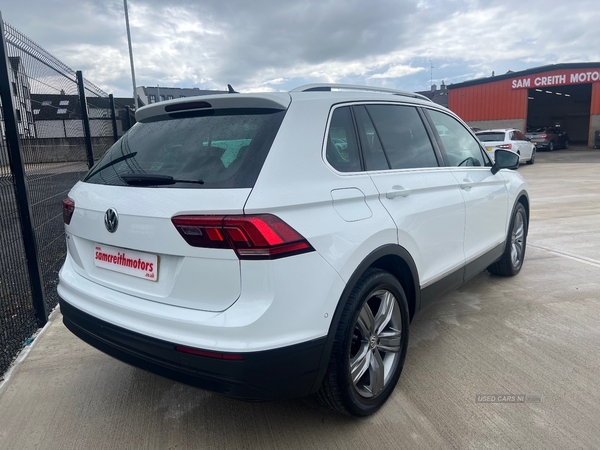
[36, 111]
[18, 112]
[25, 92]
[64, 103]
[46, 103]
[152, 98]
[29, 117]
[162, 98]
[182, 96]
[14, 88]
[61, 111]
[169, 97]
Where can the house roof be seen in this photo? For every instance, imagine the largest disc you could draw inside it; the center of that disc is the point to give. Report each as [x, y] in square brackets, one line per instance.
[510, 74]
[64, 106]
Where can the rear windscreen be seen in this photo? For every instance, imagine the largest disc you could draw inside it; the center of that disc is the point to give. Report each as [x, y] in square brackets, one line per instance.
[203, 150]
[489, 137]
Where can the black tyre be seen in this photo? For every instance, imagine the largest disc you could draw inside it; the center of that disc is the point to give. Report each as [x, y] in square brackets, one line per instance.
[551, 146]
[369, 346]
[532, 159]
[514, 253]
[566, 145]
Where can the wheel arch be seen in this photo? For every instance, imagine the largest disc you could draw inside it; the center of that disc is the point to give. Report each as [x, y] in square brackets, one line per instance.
[392, 258]
[523, 199]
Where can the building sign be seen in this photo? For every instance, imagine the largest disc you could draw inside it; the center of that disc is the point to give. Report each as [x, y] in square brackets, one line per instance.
[558, 79]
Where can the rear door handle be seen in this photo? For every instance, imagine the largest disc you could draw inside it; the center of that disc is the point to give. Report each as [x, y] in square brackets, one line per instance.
[398, 191]
[467, 184]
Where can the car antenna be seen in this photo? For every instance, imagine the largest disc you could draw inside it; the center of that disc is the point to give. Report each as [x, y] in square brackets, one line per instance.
[230, 90]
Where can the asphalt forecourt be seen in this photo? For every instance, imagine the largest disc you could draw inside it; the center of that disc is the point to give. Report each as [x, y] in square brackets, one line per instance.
[501, 363]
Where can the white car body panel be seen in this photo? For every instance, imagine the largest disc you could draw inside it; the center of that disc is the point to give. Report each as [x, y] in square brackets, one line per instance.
[525, 149]
[433, 234]
[209, 299]
[182, 268]
[486, 201]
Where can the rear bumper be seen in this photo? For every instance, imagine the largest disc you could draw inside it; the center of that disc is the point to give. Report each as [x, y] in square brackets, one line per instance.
[262, 375]
[541, 144]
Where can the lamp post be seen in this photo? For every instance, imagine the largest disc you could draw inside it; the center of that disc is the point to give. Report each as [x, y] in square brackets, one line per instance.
[130, 54]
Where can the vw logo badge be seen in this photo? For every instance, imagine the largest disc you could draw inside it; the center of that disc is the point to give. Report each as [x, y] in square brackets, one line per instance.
[111, 220]
[373, 342]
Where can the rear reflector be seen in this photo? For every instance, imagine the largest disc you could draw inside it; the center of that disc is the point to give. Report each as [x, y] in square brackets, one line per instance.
[68, 210]
[209, 354]
[507, 146]
[262, 236]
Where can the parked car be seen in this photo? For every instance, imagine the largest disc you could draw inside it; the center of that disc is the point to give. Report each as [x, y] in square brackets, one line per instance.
[278, 244]
[508, 139]
[548, 137]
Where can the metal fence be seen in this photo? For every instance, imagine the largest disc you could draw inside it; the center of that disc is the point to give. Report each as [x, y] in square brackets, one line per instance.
[54, 125]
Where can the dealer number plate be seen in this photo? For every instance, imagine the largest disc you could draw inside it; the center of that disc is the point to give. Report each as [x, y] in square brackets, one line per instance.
[129, 262]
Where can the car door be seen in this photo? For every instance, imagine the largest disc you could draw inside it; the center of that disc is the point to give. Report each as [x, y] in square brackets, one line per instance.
[525, 147]
[485, 193]
[422, 197]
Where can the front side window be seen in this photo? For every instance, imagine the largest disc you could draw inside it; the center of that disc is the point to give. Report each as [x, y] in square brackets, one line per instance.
[462, 149]
[403, 137]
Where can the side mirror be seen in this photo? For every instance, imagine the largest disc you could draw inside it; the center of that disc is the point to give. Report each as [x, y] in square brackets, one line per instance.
[505, 159]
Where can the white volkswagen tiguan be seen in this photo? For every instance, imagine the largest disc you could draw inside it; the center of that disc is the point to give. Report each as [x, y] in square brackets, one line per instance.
[279, 244]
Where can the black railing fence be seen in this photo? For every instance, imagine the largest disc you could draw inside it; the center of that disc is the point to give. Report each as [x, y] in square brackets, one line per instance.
[53, 125]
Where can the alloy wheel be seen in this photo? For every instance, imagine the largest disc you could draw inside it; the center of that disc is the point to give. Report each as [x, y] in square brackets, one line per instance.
[517, 240]
[376, 343]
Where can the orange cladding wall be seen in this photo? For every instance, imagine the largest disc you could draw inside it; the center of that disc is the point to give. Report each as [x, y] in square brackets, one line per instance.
[595, 108]
[497, 100]
[489, 101]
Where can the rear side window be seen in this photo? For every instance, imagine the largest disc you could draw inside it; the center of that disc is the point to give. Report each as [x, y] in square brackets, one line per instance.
[341, 146]
[371, 145]
[208, 149]
[403, 136]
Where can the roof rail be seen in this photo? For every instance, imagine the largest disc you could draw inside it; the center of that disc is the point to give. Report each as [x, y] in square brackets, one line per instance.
[354, 87]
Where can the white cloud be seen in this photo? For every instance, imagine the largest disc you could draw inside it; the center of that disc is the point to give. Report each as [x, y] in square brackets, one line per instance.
[273, 45]
[398, 71]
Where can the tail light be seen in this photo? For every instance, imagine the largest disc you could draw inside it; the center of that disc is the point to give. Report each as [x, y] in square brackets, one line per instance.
[68, 210]
[543, 136]
[506, 146]
[262, 236]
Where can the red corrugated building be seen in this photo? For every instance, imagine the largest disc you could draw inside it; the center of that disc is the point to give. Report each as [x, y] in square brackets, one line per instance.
[559, 95]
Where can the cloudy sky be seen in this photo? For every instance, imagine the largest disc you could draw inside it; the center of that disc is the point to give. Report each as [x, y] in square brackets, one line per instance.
[278, 45]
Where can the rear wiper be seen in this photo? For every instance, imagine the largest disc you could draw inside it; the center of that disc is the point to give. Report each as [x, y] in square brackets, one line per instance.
[148, 179]
[112, 163]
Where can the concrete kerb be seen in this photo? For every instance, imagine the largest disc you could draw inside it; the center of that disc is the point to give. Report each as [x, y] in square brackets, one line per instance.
[4, 379]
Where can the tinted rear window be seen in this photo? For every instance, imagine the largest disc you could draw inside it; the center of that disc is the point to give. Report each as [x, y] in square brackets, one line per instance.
[489, 137]
[206, 150]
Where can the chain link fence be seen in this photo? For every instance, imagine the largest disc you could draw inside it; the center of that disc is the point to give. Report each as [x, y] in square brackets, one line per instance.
[55, 153]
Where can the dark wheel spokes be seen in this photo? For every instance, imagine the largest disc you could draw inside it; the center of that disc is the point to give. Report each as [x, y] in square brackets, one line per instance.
[376, 343]
[517, 240]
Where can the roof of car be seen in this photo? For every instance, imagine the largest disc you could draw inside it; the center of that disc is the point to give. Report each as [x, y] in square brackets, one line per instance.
[496, 130]
[281, 100]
